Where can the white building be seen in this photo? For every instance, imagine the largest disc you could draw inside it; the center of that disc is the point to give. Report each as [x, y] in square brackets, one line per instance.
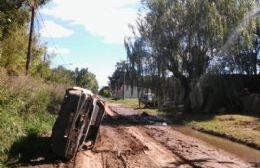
[128, 92]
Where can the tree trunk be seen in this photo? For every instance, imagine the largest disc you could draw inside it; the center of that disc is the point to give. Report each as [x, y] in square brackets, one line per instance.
[185, 84]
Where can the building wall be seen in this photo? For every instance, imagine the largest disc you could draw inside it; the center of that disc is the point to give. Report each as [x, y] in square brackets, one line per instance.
[130, 92]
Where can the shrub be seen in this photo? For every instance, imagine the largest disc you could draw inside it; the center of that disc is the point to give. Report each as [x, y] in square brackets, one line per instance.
[26, 108]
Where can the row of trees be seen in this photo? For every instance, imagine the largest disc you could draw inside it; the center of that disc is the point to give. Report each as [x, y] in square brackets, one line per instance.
[79, 77]
[14, 23]
[186, 39]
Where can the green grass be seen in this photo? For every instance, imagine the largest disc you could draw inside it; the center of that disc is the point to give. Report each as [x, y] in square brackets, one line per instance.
[26, 110]
[129, 102]
[240, 128]
[133, 103]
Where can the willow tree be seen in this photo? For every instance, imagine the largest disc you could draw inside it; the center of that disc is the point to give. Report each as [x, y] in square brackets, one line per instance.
[136, 58]
[184, 37]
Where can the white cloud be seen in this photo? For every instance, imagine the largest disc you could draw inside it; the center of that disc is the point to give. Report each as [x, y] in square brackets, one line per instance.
[58, 51]
[54, 30]
[106, 18]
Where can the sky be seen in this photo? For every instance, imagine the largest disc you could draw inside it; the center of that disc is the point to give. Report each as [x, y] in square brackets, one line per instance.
[87, 33]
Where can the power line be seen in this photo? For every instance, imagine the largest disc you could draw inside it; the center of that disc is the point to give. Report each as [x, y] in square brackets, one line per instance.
[51, 39]
[38, 26]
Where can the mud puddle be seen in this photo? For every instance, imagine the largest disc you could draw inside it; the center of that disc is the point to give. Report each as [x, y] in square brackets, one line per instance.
[242, 151]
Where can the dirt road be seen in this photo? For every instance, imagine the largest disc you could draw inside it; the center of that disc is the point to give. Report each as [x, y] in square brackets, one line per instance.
[127, 142]
[141, 141]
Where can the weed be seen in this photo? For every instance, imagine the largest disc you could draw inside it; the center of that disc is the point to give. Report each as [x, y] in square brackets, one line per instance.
[25, 111]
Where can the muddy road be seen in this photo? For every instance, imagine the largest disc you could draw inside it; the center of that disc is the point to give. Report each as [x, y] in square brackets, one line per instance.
[129, 140]
[132, 141]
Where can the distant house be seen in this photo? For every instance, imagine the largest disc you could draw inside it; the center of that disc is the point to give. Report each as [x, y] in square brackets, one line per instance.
[128, 92]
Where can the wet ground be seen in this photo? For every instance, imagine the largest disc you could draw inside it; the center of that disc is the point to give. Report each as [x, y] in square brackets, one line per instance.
[244, 152]
[142, 141]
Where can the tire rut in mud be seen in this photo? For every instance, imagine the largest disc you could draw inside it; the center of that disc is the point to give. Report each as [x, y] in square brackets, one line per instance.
[126, 141]
[193, 151]
[119, 147]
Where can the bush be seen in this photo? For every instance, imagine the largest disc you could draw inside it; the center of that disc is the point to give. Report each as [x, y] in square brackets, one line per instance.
[26, 108]
[105, 91]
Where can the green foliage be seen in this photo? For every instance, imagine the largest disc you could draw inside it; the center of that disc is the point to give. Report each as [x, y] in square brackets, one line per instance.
[82, 78]
[62, 75]
[130, 102]
[14, 21]
[14, 50]
[25, 109]
[119, 76]
[28, 105]
[104, 91]
[12, 14]
[239, 128]
[41, 70]
[86, 79]
[187, 39]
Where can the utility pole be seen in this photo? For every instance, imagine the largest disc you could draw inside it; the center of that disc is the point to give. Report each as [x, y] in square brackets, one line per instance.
[124, 87]
[29, 52]
[124, 83]
[45, 57]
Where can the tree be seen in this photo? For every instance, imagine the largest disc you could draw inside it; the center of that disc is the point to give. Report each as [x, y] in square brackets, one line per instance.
[119, 77]
[14, 20]
[185, 39]
[62, 75]
[104, 91]
[86, 79]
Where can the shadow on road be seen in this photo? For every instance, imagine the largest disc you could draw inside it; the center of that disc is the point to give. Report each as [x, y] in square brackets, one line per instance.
[32, 150]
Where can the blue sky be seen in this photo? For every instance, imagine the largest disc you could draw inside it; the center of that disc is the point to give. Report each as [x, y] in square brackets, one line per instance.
[87, 33]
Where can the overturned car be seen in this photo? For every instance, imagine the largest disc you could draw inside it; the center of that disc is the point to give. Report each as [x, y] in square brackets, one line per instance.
[78, 122]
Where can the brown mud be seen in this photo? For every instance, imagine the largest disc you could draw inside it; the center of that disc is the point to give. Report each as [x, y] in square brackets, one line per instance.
[128, 140]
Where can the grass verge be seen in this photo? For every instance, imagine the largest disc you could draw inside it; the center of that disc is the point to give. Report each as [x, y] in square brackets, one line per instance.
[26, 110]
[239, 128]
[133, 103]
[129, 102]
